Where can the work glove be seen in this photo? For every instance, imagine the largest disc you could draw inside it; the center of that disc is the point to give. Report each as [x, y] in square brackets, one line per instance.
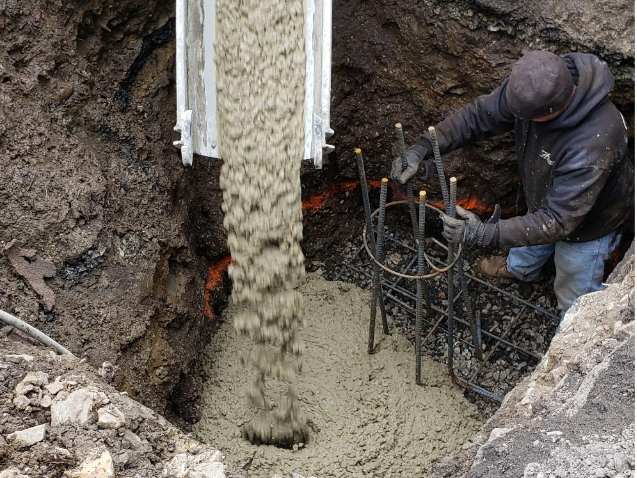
[413, 161]
[468, 229]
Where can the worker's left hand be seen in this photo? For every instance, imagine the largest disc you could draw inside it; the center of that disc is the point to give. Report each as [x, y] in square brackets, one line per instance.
[467, 228]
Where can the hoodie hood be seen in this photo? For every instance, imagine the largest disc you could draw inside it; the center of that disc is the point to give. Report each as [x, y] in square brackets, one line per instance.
[594, 83]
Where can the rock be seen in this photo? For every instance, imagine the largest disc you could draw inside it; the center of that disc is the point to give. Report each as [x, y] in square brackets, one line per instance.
[101, 467]
[75, 408]
[204, 465]
[18, 357]
[28, 437]
[46, 401]
[12, 473]
[21, 402]
[61, 452]
[110, 417]
[55, 387]
[31, 381]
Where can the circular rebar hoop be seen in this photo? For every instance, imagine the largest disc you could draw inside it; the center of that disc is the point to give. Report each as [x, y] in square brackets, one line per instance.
[407, 276]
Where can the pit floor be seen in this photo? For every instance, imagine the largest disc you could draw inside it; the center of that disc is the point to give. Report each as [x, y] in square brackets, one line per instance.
[367, 417]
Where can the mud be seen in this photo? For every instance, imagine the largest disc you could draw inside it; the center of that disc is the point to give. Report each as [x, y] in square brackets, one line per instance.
[261, 73]
[368, 416]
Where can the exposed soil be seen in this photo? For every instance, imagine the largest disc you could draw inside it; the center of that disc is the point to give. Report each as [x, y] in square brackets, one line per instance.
[367, 416]
[93, 185]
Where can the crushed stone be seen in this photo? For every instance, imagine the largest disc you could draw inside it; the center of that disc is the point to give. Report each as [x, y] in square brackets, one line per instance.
[33, 444]
[367, 415]
[261, 73]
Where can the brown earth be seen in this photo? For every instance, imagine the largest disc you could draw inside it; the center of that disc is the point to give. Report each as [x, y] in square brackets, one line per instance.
[92, 183]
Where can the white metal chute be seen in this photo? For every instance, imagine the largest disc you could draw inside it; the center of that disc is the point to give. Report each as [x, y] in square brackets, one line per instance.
[197, 85]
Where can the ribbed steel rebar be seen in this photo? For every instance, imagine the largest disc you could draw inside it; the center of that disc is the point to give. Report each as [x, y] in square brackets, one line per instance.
[379, 256]
[472, 318]
[439, 168]
[419, 282]
[450, 325]
[370, 227]
[408, 189]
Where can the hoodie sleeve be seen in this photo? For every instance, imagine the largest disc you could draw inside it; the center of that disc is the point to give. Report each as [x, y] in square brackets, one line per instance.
[487, 116]
[577, 182]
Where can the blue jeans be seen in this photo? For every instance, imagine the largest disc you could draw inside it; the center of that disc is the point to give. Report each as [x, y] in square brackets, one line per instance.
[579, 267]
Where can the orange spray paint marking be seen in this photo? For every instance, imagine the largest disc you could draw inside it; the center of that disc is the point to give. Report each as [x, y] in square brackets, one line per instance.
[215, 278]
[318, 201]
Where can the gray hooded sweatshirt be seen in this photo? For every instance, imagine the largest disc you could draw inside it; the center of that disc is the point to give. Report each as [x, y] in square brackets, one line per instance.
[578, 182]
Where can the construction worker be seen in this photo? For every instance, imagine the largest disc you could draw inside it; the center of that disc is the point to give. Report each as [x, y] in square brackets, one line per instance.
[578, 183]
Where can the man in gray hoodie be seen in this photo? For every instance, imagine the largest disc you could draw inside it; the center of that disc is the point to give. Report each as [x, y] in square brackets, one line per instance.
[578, 183]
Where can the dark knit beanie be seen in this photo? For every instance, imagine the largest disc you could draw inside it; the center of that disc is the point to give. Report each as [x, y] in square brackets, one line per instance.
[539, 85]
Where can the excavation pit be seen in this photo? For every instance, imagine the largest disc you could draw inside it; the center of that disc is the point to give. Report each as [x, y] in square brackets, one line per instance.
[367, 416]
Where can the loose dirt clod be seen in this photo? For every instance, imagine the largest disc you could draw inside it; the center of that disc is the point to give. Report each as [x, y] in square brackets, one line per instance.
[261, 72]
[368, 416]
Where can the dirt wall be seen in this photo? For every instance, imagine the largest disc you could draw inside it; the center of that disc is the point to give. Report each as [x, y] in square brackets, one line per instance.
[418, 61]
[91, 183]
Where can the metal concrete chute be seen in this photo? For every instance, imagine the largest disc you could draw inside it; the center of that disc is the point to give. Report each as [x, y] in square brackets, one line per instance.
[197, 85]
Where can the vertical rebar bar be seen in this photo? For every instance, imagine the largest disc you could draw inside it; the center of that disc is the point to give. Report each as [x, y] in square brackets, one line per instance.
[422, 199]
[370, 228]
[450, 322]
[439, 167]
[472, 318]
[380, 238]
[408, 189]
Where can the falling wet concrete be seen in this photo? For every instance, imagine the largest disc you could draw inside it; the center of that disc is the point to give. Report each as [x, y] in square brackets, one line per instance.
[260, 63]
[367, 416]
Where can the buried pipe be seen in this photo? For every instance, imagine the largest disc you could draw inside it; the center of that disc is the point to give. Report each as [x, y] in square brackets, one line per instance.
[32, 332]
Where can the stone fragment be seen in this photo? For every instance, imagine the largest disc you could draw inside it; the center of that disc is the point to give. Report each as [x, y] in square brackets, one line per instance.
[55, 387]
[17, 357]
[46, 401]
[28, 437]
[12, 473]
[101, 467]
[31, 381]
[204, 465]
[110, 417]
[61, 452]
[74, 408]
[21, 402]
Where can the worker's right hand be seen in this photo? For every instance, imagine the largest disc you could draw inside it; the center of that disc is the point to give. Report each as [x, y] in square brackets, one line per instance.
[413, 161]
